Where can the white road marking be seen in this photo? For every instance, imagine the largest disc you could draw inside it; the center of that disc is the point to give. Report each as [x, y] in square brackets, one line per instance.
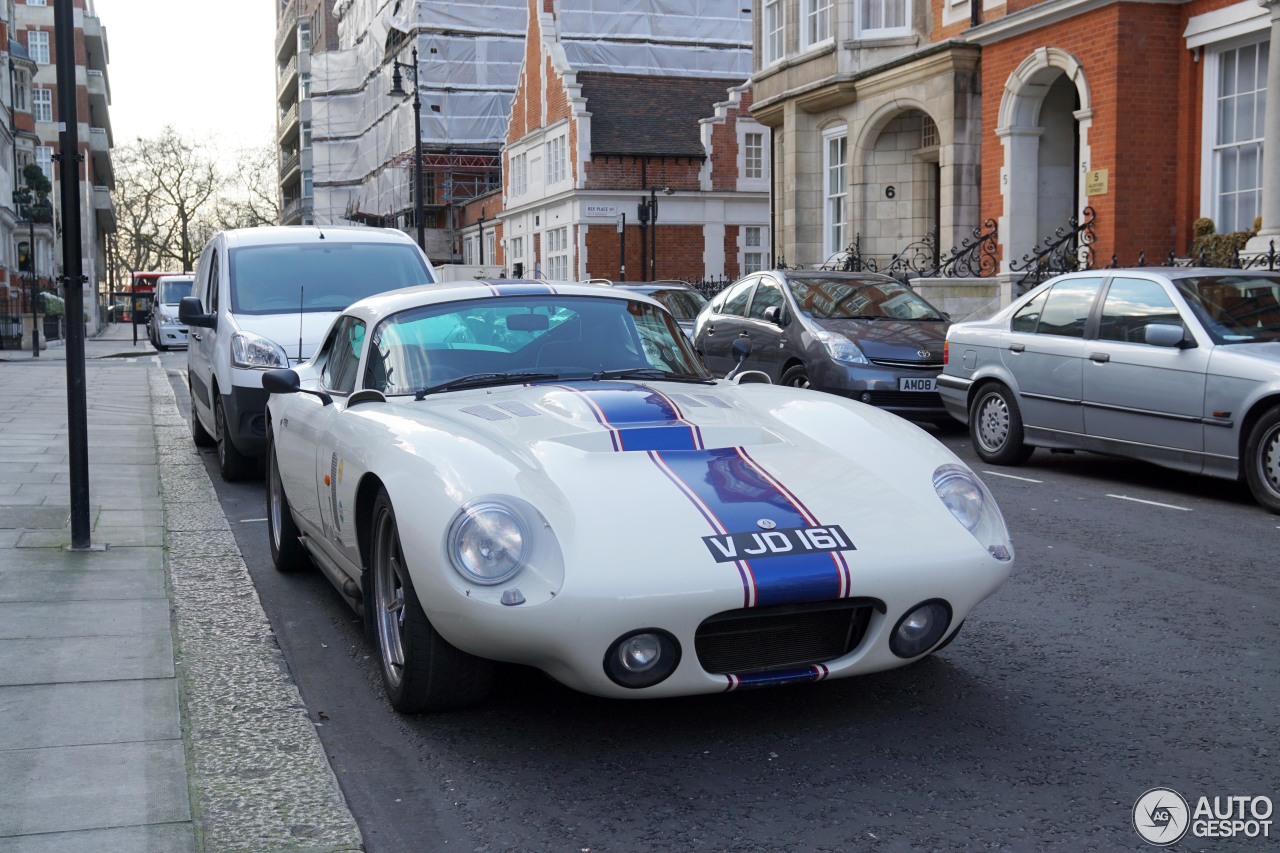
[1012, 477]
[1150, 503]
[248, 520]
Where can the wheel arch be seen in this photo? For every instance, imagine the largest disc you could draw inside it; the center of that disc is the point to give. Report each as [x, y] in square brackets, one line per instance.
[1259, 408]
[366, 495]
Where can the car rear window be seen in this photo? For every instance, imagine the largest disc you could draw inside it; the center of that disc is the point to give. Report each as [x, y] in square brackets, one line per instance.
[285, 278]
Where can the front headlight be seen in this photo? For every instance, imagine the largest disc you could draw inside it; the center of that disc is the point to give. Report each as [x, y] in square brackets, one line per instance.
[250, 350]
[487, 543]
[840, 348]
[973, 506]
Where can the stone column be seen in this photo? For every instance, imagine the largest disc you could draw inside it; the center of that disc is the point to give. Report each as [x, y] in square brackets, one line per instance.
[1271, 142]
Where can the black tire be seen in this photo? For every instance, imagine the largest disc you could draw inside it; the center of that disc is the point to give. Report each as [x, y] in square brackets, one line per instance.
[1262, 460]
[796, 377]
[199, 434]
[233, 465]
[287, 552]
[421, 670]
[995, 425]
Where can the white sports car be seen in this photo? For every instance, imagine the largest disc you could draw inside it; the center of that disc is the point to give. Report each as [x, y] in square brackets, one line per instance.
[544, 474]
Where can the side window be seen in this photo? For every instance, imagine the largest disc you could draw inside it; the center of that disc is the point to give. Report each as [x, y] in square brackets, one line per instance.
[767, 293]
[1066, 311]
[1028, 315]
[735, 301]
[342, 355]
[1131, 305]
[211, 300]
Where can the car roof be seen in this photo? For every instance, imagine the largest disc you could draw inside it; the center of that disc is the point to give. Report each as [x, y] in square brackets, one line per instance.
[277, 234]
[382, 304]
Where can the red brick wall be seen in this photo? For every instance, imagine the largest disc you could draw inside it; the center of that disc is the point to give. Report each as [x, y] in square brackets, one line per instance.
[679, 250]
[640, 173]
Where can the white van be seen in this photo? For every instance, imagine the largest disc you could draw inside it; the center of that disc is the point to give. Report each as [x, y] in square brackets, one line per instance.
[263, 298]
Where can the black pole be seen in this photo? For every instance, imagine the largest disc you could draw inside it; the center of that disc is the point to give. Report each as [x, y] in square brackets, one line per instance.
[482, 236]
[35, 285]
[72, 265]
[653, 234]
[419, 213]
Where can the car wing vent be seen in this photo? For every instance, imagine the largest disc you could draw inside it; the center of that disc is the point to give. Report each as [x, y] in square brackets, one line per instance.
[519, 409]
[696, 400]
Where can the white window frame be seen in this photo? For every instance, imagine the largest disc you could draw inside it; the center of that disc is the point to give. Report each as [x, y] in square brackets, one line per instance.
[304, 135]
[753, 241]
[42, 104]
[469, 244]
[44, 159]
[515, 250]
[773, 31]
[304, 36]
[1211, 191]
[556, 151]
[38, 46]
[556, 242]
[872, 16]
[816, 22]
[308, 185]
[753, 156]
[20, 87]
[37, 2]
[519, 174]
[304, 85]
[491, 246]
[835, 191]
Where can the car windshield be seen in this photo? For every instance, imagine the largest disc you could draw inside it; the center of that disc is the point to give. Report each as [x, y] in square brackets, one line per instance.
[329, 276]
[557, 337]
[1235, 309]
[848, 298]
[172, 292]
[684, 304]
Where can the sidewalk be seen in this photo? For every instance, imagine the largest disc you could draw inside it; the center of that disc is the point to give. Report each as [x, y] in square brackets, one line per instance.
[144, 702]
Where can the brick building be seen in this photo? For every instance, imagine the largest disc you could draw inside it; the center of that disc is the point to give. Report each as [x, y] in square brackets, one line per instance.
[893, 118]
[629, 157]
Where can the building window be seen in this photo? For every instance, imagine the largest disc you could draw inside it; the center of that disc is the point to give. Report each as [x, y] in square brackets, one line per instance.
[558, 254]
[772, 31]
[42, 104]
[753, 146]
[44, 159]
[519, 176]
[555, 160]
[816, 18]
[469, 250]
[304, 36]
[1237, 136]
[883, 17]
[20, 91]
[753, 249]
[308, 189]
[37, 2]
[304, 86]
[38, 46]
[305, 133]
[835, 193]
[490, 253]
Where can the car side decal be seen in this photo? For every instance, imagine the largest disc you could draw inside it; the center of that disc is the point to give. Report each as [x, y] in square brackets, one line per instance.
[817, 672]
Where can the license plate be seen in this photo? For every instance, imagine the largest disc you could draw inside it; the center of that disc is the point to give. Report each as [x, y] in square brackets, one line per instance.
[917, 384]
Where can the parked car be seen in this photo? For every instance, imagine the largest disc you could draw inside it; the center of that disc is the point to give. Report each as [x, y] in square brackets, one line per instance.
[543, 474]
[1176, 366]
[864, 336]
[263, 298]
[163, 326]
[682, 299]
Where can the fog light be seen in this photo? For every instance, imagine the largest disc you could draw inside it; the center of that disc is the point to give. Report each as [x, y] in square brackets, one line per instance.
[642, 658]
[920, 629]
[865, 396]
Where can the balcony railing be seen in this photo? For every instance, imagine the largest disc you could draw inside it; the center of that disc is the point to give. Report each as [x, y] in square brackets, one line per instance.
[287, 27]
[288, 74]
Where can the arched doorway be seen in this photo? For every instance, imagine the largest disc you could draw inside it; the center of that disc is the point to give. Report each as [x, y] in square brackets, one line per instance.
[898, 186]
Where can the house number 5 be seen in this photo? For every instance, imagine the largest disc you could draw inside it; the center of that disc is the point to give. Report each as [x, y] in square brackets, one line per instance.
[890, 192]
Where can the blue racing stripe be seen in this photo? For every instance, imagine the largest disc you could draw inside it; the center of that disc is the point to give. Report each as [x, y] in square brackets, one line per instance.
[739, 497]
[639, 417]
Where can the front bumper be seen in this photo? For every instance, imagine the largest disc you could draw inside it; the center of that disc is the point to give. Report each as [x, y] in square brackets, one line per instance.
[882, 387]
[171, 334]
[246, 410]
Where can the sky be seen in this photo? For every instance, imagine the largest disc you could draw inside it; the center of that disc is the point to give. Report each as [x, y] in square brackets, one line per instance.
[208, 69]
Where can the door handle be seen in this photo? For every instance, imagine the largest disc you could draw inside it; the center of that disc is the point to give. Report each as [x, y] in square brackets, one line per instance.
[1099, 357]
[1017, 347]
[711, 330]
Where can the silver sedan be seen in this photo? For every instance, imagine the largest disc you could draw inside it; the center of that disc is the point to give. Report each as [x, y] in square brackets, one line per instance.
[1175, 366]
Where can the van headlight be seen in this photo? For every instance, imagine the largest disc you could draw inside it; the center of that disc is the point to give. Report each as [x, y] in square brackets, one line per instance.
[973, 506]
[840, 348]
[255, 351]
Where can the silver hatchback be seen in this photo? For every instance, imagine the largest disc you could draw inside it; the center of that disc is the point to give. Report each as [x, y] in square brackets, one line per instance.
[1179, 367]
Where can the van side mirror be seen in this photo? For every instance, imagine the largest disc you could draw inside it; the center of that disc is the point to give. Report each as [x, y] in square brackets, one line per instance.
[191, 312]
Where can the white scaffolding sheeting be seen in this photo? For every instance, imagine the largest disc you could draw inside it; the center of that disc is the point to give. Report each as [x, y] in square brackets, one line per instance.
[720, 22]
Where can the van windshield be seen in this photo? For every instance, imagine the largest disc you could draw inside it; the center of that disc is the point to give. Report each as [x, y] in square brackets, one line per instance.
[276, 279]
[172, 292]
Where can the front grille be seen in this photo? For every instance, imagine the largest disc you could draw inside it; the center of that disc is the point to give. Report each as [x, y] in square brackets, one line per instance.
[759, 639]
[906, 399]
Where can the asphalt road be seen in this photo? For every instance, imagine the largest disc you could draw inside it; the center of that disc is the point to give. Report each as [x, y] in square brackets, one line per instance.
[1134, 647]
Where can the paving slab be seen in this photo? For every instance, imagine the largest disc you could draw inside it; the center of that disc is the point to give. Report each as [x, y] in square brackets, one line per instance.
[156, 838]
[83, 713]
[27, 620]
[75, 659]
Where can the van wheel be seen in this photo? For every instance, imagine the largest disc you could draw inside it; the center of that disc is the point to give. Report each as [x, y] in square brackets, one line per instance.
[1262, 461]
[233, 465]
[199, 434]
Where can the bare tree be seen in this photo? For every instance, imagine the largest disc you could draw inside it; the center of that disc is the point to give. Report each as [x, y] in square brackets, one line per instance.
[253, 199]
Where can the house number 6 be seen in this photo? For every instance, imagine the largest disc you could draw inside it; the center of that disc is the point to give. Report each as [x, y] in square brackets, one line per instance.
[890, 192]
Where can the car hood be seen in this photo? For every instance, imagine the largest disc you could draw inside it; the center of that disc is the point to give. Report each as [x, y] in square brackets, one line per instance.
[1257, 361]
[288, 329]
[895, 340]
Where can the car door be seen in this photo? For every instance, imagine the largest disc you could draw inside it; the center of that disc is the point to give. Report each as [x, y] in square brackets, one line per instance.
[1044, 352]
[1147, 400]
[200, 346]
[770, 339]
[719, 328]
[338, 375]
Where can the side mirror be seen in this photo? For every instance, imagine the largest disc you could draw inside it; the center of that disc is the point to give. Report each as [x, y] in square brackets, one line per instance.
[741, 350]
[286, 381]
[1167, 335]
[773, 314]
[191, 312]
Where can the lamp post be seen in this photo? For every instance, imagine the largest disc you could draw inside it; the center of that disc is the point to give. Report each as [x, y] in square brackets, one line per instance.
[397, 88]
[643, 216]
[35, 296]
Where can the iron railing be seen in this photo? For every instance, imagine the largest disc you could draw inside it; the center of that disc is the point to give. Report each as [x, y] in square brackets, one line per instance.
[977, 256]
[1067, 249]
[1268, 260]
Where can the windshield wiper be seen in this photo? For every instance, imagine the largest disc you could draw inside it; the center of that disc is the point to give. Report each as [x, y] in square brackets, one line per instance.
[652, 373]
[479, 380]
